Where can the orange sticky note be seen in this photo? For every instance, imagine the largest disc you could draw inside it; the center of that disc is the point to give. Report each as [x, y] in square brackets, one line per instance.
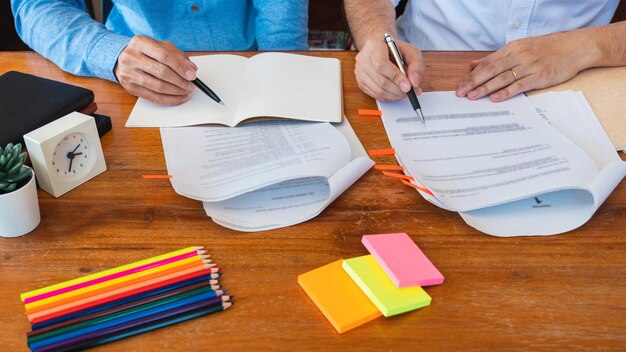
[375, 152]
[425, 190]
[370, 112]
[338, 297]
[396, 175]
[389, 167]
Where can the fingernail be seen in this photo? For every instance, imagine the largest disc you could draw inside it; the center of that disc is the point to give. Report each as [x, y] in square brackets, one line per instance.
[416, 78]
[473, 94]
[461, 90]
[405, 86]
[190, 75]
[496, 96]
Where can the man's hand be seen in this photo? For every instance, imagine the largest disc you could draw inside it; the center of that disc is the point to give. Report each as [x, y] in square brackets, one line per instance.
[526, 64]
[377, 75]
[156, 71]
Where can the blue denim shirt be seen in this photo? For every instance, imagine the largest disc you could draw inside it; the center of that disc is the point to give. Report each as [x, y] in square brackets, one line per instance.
[63, 32]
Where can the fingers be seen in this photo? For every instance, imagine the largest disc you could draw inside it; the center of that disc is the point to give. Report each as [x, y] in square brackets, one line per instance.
[378, 77]
[157, 98]
[156, 70]
[414, 62]
[520, 86]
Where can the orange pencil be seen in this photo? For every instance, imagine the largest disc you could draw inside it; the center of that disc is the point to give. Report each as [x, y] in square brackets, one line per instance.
[90, 288]
[120, 286]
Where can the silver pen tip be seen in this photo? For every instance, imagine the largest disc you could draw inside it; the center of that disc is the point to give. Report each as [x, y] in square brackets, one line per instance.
[419, 114]
[222, 104]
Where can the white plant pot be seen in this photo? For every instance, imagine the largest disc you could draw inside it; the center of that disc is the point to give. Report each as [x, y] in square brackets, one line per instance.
[19, 210]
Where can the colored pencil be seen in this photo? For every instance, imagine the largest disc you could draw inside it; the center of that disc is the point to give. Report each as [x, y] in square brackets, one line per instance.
[84, 293]
[112, 284]
[118, 312]
[196, 288]
[117, 294]
[97, 341]
[202, 280]
[108, 272]
[112, 276]
[126, 322]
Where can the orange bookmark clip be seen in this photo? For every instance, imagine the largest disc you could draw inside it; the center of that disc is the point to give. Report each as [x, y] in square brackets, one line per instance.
[425, 190]
[157, 176]
[389, 167]
[375, 152]
[400, 176]
[370, 112]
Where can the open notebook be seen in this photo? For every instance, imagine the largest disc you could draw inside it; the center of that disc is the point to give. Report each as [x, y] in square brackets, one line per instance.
[276, 85]
[527, 166]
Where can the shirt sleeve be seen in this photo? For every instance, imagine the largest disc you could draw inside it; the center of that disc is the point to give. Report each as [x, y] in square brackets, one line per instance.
[282, 24]
[64, 33]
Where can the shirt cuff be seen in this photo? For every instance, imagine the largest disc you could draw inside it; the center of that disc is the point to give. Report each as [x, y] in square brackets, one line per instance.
[103, 55]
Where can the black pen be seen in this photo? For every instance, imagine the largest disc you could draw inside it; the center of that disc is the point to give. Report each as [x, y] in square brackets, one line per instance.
[206, 90]
[398, 58]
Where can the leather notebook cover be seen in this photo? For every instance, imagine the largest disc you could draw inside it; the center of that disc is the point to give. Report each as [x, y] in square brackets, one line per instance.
[28, 102]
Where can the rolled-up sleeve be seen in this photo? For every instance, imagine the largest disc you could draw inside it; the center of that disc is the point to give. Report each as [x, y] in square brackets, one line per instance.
[282, 24]
[64, 33]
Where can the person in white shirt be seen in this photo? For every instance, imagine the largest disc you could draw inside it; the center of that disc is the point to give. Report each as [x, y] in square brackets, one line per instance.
[537, 43]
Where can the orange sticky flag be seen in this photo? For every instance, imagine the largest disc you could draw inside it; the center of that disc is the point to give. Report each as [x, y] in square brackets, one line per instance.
[375, 152]
[425, 190]
[401, 176]
[370, 112]
[157, 176]
[389, 167]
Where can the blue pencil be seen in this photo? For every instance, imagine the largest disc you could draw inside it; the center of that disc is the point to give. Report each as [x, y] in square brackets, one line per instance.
[190, 301]
[120, 302]
[150, 327]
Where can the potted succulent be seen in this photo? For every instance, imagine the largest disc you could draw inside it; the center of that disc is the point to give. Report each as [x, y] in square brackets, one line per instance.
[19, 205]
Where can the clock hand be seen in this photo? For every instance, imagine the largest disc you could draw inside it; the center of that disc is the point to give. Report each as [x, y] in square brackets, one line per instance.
[71, 160]
[75, 148]
[78, 153]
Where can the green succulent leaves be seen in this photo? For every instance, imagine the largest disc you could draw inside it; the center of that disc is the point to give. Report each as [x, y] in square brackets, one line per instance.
[12, 169]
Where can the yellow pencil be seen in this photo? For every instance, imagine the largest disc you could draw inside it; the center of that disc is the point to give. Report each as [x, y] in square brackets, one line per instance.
[107, 272]
[41, 304]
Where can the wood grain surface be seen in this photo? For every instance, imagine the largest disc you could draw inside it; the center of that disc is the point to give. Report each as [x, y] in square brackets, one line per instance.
[564, 292]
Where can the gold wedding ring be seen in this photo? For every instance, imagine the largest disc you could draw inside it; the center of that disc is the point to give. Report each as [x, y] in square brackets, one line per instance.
[514, 75]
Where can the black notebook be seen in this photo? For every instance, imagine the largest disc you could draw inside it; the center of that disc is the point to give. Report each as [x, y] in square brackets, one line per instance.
[28, 102]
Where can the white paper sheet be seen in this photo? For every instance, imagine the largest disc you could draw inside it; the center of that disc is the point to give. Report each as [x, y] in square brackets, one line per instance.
[475, 154]
[211, 164]
[547, 208]
[292, 201]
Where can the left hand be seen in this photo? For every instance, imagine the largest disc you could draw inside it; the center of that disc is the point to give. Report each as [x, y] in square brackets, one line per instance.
[523, 65]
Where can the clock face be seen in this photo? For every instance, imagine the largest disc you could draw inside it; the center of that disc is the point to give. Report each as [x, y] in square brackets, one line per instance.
[72, 155]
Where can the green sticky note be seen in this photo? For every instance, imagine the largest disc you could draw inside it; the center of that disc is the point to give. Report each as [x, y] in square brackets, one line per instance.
[379, 288]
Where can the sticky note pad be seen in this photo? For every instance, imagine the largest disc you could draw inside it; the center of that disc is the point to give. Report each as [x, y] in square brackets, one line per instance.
[375, 283]
[402, 260]
[340, 299]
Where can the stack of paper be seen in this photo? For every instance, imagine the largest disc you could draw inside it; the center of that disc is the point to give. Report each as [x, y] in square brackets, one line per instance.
[355, 291]
[264, 175]
[527, 166]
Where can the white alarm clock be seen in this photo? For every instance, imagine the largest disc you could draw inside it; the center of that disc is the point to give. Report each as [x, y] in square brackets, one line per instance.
[65, 153]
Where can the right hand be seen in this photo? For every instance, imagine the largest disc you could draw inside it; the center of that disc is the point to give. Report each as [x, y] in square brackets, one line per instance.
[156, 70]
[379, 78]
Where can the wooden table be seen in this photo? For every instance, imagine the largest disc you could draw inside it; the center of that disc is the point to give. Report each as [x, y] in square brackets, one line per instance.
[560, 292]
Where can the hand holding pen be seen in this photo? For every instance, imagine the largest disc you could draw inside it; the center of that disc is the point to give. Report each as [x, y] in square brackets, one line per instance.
[397, 57]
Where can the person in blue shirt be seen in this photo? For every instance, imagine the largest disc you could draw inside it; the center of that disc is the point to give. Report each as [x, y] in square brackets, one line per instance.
[537, 43]
[141, 45]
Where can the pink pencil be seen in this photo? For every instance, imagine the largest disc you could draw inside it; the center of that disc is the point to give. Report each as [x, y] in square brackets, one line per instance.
[110, 277]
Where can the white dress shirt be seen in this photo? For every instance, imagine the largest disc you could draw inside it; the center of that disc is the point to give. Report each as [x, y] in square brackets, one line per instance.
[490, 24]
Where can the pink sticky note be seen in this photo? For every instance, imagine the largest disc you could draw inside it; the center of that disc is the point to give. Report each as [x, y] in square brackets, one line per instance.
[402, 260]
